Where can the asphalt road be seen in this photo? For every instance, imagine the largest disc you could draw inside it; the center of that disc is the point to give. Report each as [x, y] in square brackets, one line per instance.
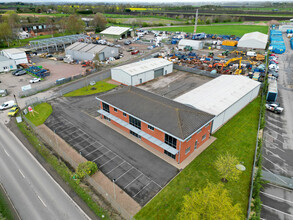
[32, 190]
[278, 144]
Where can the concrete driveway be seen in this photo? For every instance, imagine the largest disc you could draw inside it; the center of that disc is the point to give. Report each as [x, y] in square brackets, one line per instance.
[138, 172]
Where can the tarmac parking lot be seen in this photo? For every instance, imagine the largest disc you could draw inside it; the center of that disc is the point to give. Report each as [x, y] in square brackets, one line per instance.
[135, 170]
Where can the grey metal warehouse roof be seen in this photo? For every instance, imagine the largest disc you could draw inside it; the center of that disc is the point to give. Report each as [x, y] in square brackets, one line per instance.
[218, 94]
[172, 117]
[3, 58]
[84, 47]
[113, 30]
[143, 66]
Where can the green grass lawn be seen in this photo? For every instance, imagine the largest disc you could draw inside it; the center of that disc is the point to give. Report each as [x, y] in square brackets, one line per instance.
[5, 212]
[101, 86]
[238, 137]
[41, 113]
[237, 30]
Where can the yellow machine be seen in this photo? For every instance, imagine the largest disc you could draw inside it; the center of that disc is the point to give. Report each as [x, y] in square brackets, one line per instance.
[239, 70]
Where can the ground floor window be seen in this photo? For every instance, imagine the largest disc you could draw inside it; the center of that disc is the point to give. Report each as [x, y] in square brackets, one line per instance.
[187, 150]
[169, 154]
[195, 145]
[135, 134]
[203, 137]
[106, 118]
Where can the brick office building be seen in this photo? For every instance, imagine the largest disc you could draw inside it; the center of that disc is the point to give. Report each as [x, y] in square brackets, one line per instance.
[168, 126]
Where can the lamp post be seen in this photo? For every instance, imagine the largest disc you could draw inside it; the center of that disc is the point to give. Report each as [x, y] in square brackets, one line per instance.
[114, 188]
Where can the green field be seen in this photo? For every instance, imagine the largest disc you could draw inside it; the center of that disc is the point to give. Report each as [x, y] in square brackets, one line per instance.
[40, 114]
[101, 86]
[238, 137]
[237, 30]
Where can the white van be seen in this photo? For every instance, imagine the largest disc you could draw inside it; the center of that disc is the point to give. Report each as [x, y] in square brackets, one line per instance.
[7, 105]
[251, 53]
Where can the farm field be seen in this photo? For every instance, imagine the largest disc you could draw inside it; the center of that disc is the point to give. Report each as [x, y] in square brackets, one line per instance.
[237, 30]
[238, 137]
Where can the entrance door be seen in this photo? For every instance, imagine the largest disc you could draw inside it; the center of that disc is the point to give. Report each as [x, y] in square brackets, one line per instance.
[159, 72]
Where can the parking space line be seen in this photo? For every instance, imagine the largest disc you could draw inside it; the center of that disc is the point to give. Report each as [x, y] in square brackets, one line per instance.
[108, 161]
[273, 124]
[102, 155]
[275, 164]
[275, 146]
[289, 190]
[115, 167]
[270, 195]
[132, 181]
[91, 151]
[274, 138]
[142, 189]
[275, 155]
[124, 174]
[277, 210]
[273, 131]
[274, 174]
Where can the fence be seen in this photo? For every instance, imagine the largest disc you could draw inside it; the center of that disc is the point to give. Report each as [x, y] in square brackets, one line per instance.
[35, 90]
[195, 71]
[57, 144]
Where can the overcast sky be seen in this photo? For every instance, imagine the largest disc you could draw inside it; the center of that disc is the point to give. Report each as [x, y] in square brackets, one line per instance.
[142, 1]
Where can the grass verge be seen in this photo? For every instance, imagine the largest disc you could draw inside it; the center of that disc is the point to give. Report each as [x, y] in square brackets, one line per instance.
[41, 113]
[100, 86]
[61, 169]
[5, 212]
[238, 137]
[237, 30]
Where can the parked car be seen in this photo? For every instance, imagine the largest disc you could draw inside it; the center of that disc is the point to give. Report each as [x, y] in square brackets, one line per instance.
[13, 111]
[273, 55]
[274, 61]
[274, 107]
[134, 52]
[35, 80]
[16, 71]
[117, 45]
[127, 42]
[274, 67]
[6, 105]
[130, 49]
[19, 73]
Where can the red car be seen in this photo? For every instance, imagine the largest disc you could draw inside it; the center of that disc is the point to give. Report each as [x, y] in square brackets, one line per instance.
[134, 52]
[273, 55]
[275, 61]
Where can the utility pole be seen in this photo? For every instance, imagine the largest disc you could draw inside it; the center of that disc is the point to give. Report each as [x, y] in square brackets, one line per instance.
[195, 21]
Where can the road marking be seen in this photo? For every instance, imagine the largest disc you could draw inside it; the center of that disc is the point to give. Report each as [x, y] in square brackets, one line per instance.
[21, 173]
[102, 155]
[115, 167]
[92, 151]
[142, 189]
[274, 174]
[108, 161]
[277, 210]
[123, 174]
[42, 201]
[275, 164]
[6, 153]
[273, 131]
[274, 138]
[132, 181]
[270, 195]
[290, 190]
[273, 146]
[275, 155]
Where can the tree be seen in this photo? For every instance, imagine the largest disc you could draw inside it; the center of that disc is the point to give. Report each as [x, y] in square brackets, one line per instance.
[6, 33]
[86, 168]
[226, 165]
[99, 22]
[74, 25]
[212, 202]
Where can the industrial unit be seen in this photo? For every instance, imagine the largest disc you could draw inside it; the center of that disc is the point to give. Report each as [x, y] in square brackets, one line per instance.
[168, 126]
[116, 32]
[6, 64]
[253, 40]
[19, 56]
[137, 73]
[223, 97]
[194, 44]
[84, 51]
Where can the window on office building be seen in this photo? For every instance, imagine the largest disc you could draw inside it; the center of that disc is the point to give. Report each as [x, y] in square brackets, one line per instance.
[134, 122]
[135, 134]
[106, 107]
[195, 145]
[169, 154]
[115, 109]
[151, 127]
[187, 150]
[108, 119]
[170, 141]
[124, 114]
[203, 137]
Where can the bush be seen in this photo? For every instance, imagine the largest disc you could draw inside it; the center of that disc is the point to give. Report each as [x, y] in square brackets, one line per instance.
[86, 168]
[144, 24]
